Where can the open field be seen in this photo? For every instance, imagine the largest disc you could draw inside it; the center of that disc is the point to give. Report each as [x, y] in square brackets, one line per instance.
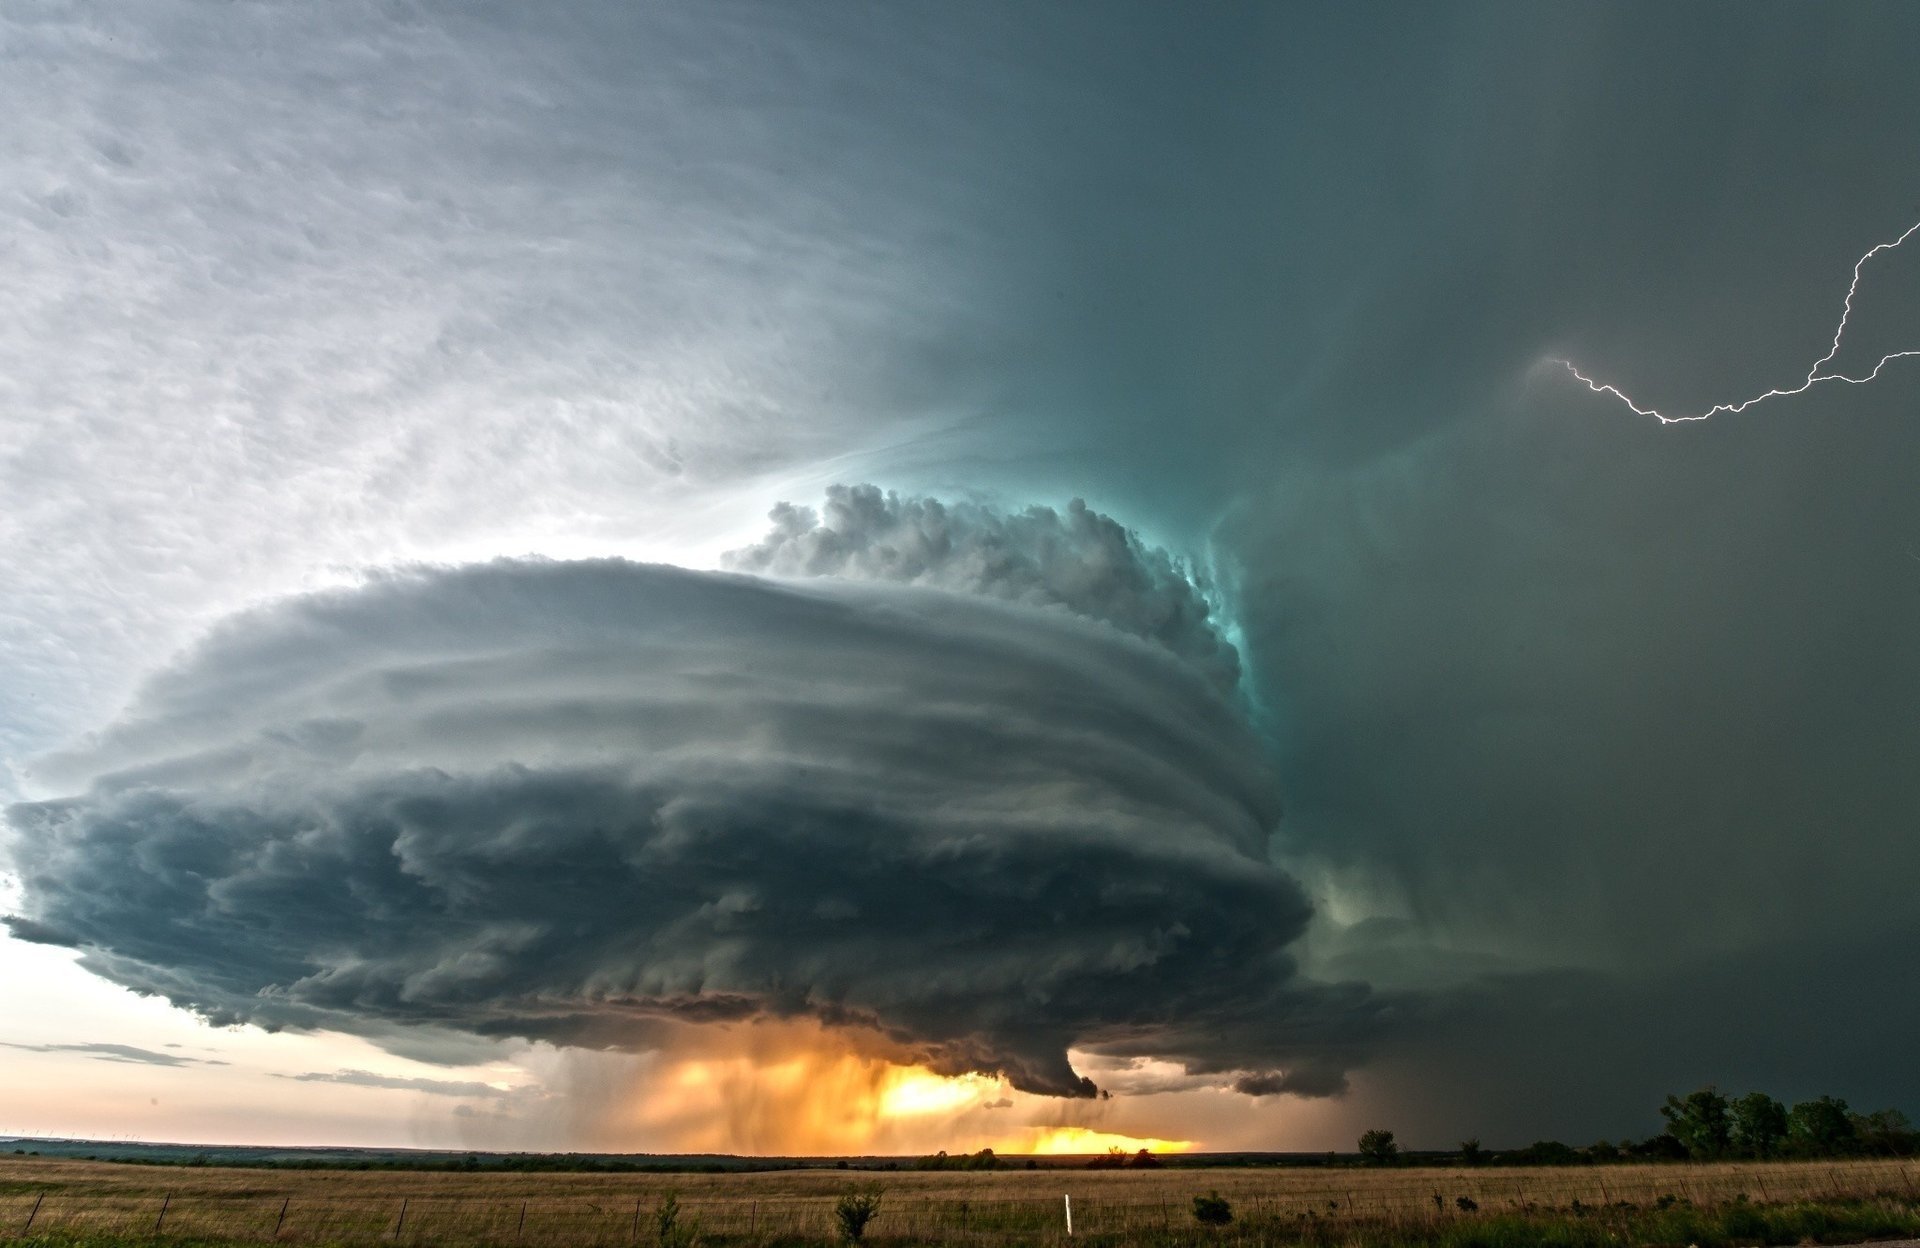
[60, 1201]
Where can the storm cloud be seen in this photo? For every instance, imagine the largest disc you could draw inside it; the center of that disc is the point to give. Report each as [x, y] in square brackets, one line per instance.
[588, 802]
[1079, 559]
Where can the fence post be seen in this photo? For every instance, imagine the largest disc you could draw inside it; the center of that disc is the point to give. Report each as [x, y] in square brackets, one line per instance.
[636, 1219]
[33, 1213]
[281, 1220]
[521, 1230]
[164, 1202]
[753, 1217]
[1069, 1200]
[401, 1225]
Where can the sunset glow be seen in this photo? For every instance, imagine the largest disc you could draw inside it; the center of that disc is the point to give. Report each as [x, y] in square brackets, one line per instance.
[793, 1089]
[1054, 1141]
[910, 1091]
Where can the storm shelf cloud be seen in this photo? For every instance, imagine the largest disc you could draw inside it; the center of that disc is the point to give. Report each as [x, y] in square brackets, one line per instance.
[590, 802]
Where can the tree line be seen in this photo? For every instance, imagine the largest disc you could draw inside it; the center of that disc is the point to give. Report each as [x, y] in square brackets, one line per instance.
[1709, 1125]
[1703, 1125]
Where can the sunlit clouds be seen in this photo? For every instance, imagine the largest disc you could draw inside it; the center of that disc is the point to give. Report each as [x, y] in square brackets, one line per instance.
[802, 1090]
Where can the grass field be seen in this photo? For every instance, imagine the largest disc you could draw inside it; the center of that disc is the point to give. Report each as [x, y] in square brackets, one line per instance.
[55, 1203]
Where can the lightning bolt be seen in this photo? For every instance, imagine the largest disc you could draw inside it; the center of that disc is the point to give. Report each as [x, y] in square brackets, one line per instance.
[1814, 376]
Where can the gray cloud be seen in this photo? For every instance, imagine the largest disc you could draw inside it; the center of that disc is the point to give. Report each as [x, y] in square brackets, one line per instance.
[120, 1053]
[1078, 559]
[1309, 1082]
[588, 802]
[434, 1087]
[453, 253]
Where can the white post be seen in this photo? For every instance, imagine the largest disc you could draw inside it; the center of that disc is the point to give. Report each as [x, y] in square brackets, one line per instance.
[1069, 1201]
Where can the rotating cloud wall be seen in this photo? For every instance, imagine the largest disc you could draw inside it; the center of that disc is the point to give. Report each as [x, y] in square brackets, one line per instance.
[589, 802]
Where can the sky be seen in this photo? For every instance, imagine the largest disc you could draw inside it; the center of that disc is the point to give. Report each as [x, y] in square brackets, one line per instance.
[866, 577]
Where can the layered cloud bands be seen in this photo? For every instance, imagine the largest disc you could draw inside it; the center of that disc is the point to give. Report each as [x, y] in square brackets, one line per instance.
[587, 801]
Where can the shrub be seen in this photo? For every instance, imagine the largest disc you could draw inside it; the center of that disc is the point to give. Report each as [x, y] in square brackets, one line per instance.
[855, 1209]
[667, 1231]
[1212, 1209]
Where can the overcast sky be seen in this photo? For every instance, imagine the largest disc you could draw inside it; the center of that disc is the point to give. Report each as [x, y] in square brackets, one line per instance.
[1398, 729]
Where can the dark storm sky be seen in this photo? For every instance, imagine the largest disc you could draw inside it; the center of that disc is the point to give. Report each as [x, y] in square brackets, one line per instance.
[1596, 736]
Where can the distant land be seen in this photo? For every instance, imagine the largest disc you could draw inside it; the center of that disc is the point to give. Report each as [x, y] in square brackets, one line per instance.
[161, 1153]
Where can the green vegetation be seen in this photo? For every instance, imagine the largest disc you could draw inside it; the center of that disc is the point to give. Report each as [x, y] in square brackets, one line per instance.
[1721, 1204]
[1703, 1125]
[1708, 1126]
[1663, 1225]
[982, 1160]
[668, 1230]
[1121, 1159]
[1626, 1226]
[1377, 1147]
[854, 1210]
[1213, 1209]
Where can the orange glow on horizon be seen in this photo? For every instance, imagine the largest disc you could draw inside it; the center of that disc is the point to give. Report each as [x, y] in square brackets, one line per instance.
[799, 1089]
[1053, 1141]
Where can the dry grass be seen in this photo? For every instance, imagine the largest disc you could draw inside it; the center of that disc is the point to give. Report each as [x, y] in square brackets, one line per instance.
[550, 1210]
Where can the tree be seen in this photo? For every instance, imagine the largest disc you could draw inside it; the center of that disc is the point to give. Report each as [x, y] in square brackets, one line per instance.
[1700, 1122]
[855, 1209]
[1759, 1125]
[1885, 1131]
[1662, 1147]
[1471, 1154]
[1820, 1128]
[1546, 1153]
[1378, 1148]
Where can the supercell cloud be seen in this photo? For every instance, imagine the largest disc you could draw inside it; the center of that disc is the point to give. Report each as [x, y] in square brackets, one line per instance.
[584, 802]
[1080, 560]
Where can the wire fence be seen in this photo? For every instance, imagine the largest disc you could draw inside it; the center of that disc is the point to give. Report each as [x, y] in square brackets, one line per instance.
[544, 1222]
[616, 1215]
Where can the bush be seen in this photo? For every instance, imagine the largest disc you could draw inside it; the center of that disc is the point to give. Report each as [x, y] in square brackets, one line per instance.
[855, 1209]
[1212, 1209]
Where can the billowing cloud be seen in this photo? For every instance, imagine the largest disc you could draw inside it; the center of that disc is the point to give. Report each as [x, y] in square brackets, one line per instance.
[590, 802]
[1078, 559]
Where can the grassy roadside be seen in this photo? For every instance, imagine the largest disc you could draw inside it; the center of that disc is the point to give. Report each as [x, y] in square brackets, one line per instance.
[1740, 1224]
